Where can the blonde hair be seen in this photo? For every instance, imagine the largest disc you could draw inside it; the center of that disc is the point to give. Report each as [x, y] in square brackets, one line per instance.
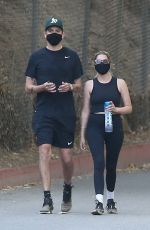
[103, 52]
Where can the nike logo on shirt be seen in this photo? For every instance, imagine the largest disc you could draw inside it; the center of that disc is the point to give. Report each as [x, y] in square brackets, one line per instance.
[69, 143]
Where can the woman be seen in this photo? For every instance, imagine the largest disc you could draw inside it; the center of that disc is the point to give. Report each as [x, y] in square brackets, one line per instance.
[104, 87]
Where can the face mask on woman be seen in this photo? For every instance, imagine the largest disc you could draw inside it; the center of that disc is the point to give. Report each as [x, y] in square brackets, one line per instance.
[102, 68]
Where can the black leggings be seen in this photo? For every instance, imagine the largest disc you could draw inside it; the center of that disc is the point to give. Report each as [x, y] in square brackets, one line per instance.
[96, 138]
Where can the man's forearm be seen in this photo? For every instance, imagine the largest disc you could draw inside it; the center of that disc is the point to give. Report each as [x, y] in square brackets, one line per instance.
[35, 88]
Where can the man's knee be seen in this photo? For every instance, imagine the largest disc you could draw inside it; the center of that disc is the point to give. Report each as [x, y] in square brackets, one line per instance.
[44, 152]
[67, 161]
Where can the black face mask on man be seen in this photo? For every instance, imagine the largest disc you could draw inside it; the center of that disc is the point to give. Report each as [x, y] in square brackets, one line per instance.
[102, 68]
[54, 38]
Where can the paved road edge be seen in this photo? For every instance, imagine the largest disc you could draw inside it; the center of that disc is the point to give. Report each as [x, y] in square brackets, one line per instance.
[137, 154]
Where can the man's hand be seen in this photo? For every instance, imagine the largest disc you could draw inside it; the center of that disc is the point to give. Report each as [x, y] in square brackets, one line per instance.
[49, 87]
[65, 87]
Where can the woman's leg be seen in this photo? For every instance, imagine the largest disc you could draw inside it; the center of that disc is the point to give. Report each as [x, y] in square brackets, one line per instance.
[96, 145]
[113, 146]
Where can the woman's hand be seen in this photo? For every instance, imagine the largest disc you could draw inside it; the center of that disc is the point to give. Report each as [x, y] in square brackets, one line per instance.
[82, 144]
[112, 108]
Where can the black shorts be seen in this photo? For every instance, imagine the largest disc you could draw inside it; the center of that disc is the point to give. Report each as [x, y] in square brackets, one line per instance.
[57, 132]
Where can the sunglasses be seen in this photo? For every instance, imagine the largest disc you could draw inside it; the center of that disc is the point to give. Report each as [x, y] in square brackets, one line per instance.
[105, 61]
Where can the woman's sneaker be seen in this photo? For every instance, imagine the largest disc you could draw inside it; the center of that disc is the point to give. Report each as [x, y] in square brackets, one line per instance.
[66, 202]
[99, 210]
[47, 206]
[111, 207]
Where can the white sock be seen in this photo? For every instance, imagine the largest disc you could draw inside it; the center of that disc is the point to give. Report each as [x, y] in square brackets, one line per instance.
[110, 195]
[99, 197]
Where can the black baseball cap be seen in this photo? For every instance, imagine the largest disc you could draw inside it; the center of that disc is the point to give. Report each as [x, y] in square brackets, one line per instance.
[52, 21]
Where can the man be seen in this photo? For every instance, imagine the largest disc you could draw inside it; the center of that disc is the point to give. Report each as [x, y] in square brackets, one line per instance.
[56, 71]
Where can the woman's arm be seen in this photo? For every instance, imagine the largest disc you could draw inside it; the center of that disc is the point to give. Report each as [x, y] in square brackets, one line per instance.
[127, 106]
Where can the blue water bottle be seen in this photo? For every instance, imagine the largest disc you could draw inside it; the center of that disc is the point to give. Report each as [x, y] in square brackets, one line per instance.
[108, 118]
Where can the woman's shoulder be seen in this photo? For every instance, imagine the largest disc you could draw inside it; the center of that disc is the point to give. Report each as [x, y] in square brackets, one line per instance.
[120, 81]
[88, 84]
[121, 84]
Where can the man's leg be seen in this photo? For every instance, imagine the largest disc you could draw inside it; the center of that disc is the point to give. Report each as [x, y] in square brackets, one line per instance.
[44, 165]
[67, 165]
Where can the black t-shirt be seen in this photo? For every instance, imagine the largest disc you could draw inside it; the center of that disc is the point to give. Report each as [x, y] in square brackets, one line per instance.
[55, 66]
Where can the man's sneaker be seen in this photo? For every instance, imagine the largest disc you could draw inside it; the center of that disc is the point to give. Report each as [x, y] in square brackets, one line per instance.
[67, 202]
[111, 208]
[99, 210]
[47, 206]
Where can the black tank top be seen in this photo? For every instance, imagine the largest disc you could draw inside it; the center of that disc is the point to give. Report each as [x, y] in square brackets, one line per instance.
[104, 92]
